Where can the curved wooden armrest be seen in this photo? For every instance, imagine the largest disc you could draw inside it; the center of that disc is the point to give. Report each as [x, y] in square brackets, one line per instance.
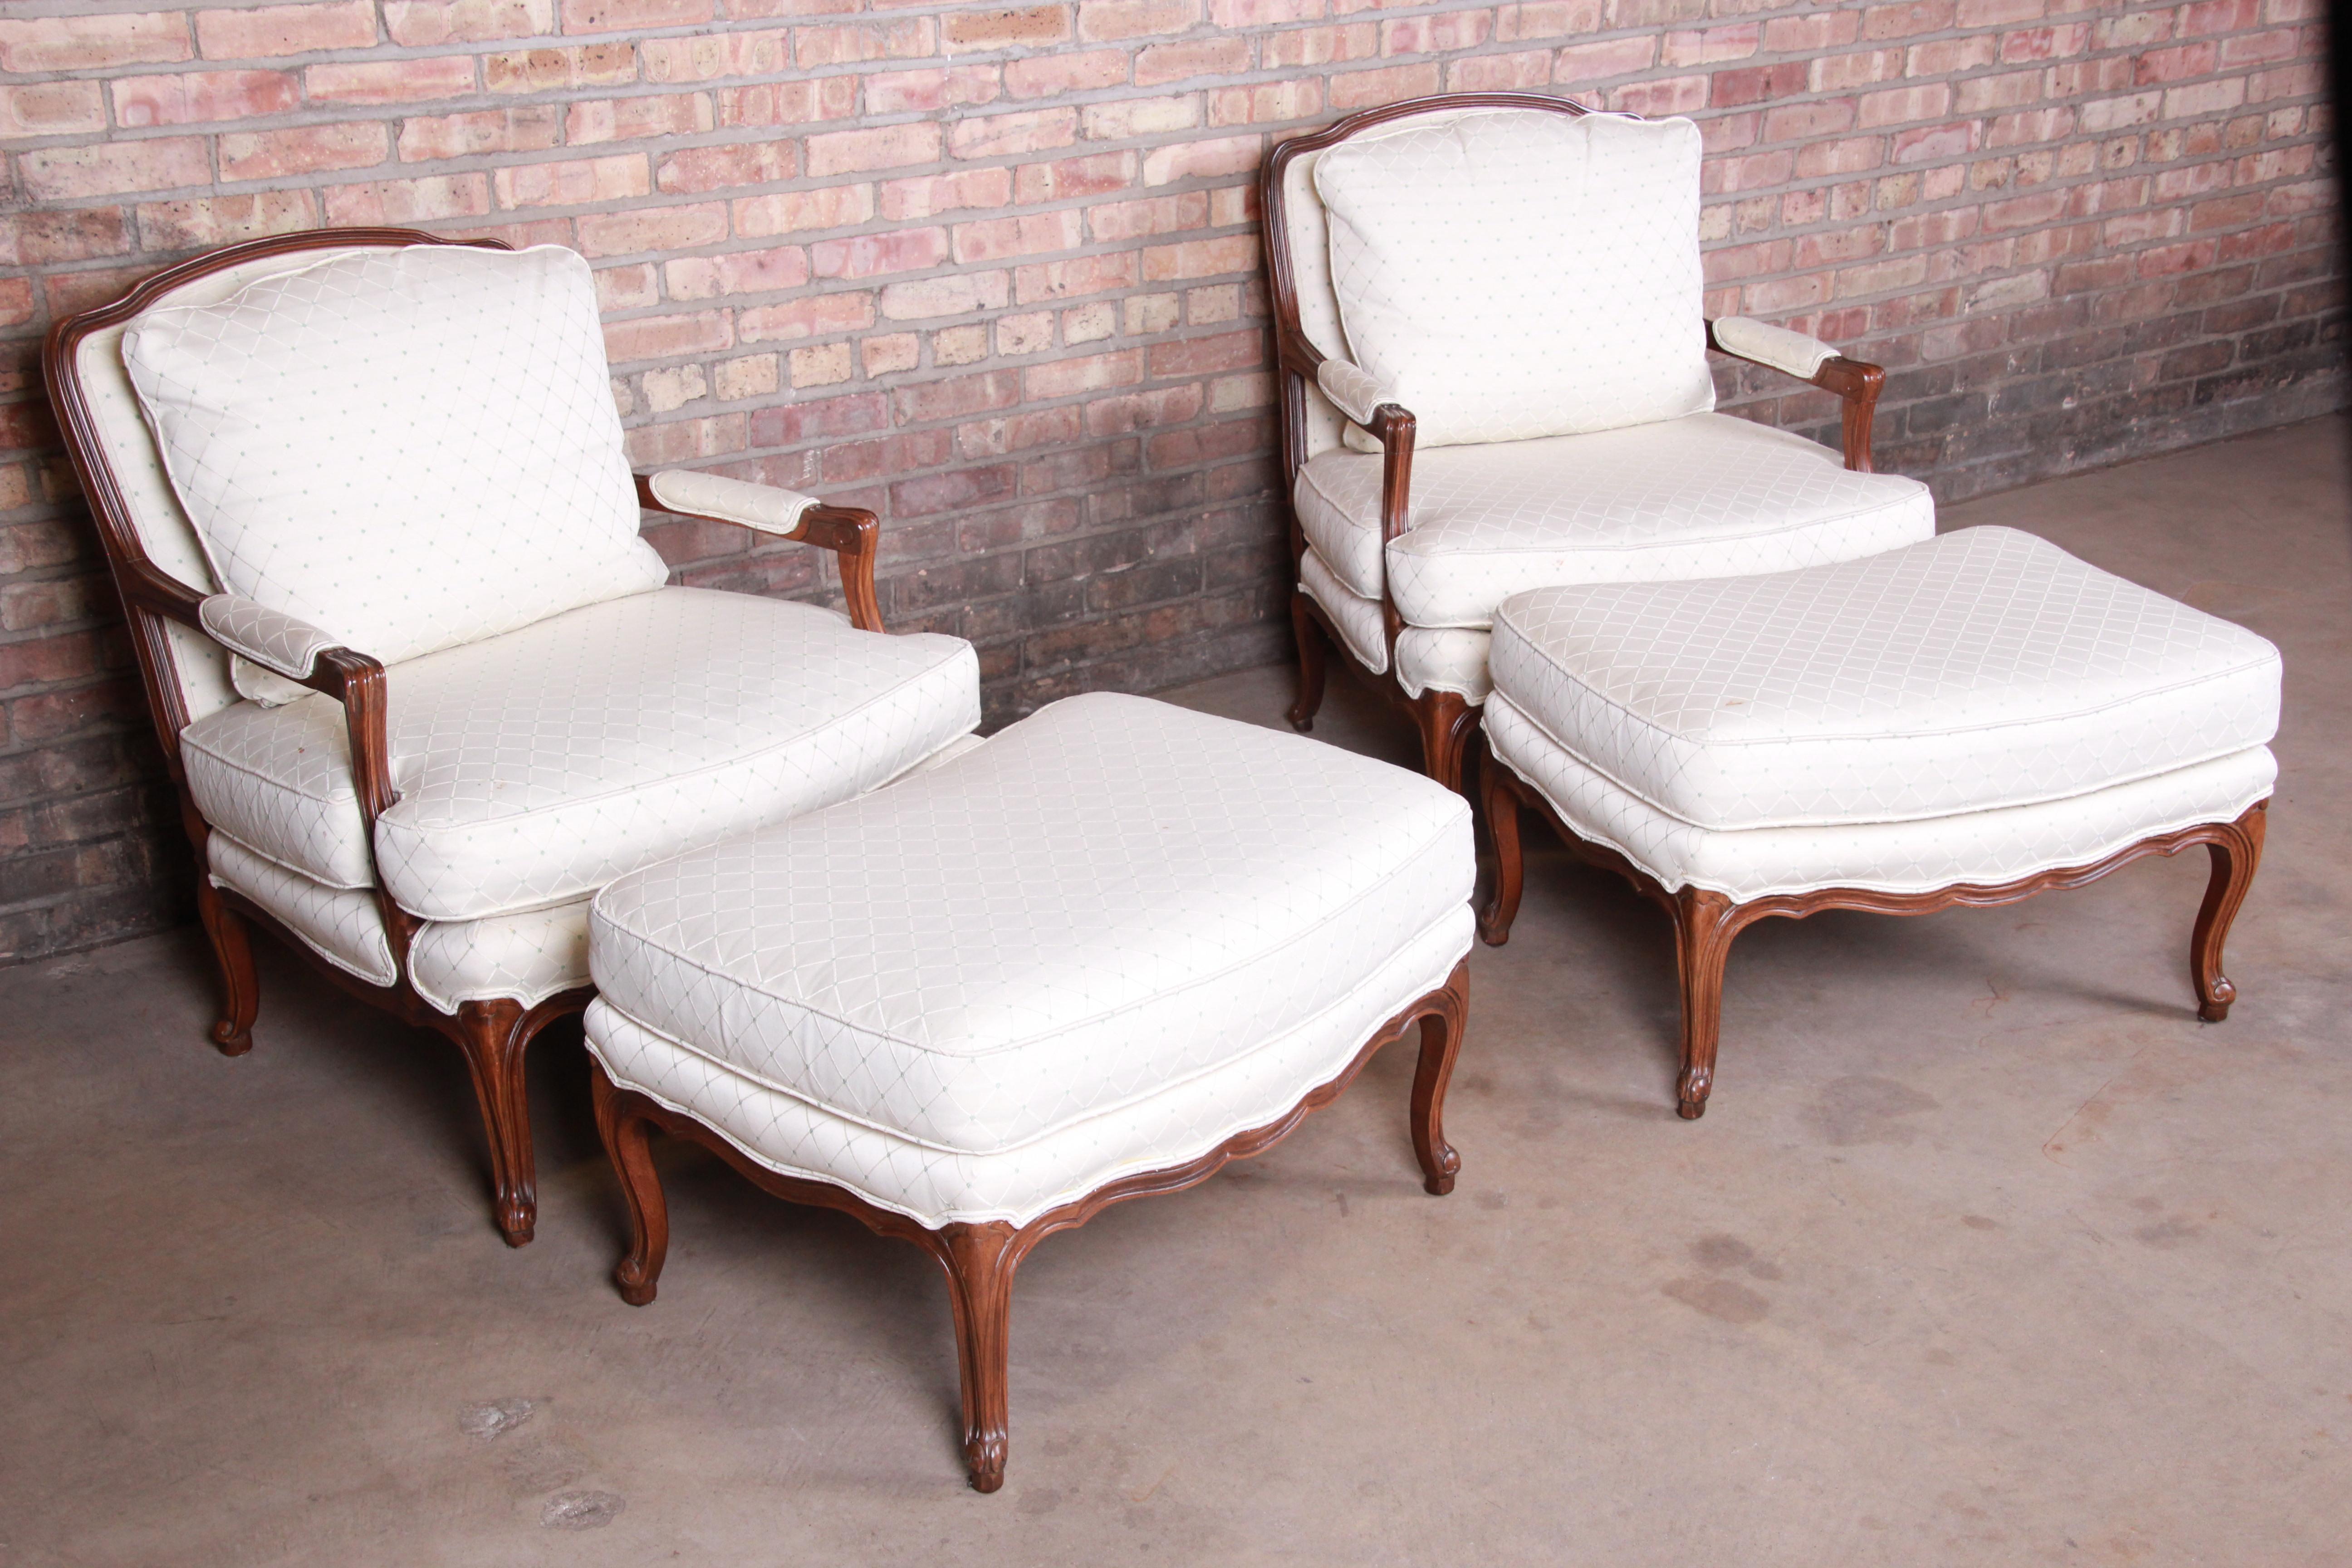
[852, 534]
[1857, 382]
[352, 679]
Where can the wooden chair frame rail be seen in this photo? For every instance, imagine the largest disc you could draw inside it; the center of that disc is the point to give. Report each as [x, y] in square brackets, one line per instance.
[494, 1035]
[980, 1260]
[1705, 921]
[1447, 721]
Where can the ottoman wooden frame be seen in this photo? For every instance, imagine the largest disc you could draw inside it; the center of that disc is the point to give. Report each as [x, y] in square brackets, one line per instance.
[1705, 921]
[980, 1260]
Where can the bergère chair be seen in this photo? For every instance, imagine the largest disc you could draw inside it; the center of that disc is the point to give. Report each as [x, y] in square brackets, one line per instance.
[419, 684]
[1494, 377]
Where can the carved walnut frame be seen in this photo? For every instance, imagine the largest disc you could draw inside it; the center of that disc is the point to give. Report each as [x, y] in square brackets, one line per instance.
[1445, 720]
[1705, 921]
[493, 1034]
[980, 1260]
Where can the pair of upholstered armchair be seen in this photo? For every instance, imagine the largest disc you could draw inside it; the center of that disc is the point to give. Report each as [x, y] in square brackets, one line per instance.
[417, 679]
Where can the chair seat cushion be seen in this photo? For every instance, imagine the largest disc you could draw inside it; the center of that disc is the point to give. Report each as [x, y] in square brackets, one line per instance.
[1109, 900]
[536, 766]
[1983, 668]
[1706, 496]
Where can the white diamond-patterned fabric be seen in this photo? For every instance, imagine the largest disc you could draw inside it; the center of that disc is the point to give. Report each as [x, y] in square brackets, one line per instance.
[1109, 898]
[1444, 658]
[270, 638]
[410, 449]
[343, 927]
[1983, 848]
[1708, 496]
[787, 1133]
[535, 766]
[526, 957]
[1984, 668]
[1515, 273]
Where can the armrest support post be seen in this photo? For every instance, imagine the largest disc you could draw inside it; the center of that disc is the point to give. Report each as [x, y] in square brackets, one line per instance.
[852, 533]
[1857, 382]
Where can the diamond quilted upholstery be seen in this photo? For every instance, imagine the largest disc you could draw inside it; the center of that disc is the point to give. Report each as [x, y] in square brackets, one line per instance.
[411, 449]
[1983, 668]
[525, 957]
[1111, 898]
[535, 766]
[1985, 848]
[343, 927]
[787, 1133]
[1515, 273]
[1709, 495]
[1443, 659]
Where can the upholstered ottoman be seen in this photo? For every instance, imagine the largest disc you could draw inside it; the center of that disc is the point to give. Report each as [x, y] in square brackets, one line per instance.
[1090, 959]
[1967, 720]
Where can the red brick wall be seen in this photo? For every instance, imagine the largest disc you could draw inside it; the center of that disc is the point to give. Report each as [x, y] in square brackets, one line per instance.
[992, 270]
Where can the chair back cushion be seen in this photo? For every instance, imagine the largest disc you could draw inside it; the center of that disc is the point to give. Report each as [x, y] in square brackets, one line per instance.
[411, 448]
[1515, 274]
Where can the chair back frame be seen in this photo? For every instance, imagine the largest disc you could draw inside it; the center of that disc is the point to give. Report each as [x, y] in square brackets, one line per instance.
[1445, 720]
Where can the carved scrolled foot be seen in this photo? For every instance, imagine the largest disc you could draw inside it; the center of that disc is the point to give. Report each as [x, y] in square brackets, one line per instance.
[983, 1458]
[517, 1216]
[1690, 1094]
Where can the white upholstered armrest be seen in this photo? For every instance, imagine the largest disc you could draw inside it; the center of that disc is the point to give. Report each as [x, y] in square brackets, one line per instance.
[770, 508]
[1355, 390]
[1799, 355]
[270, 638]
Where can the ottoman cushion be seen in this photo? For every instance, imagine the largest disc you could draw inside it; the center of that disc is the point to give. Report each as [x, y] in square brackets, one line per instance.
[1089, 945]
[1981, 669]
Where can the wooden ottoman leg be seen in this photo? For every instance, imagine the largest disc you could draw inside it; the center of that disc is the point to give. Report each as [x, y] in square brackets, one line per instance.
[232, 1031]
[1441, 1042]
[1500, 813]
[980, 1261]
[623, 1128]
[1311, 656]
[2236, 855]
[1704, 928]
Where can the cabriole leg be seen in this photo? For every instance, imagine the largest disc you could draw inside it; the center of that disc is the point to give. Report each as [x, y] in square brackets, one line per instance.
[980, 1261]
[2235, 859]
[495, 1037]
[628, 1146]
[232, 1030]
[1441, 1042]
[1702, 934]
[1499, 813]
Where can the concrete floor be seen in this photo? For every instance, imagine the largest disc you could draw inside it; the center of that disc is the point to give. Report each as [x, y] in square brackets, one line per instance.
[1987, 1251]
